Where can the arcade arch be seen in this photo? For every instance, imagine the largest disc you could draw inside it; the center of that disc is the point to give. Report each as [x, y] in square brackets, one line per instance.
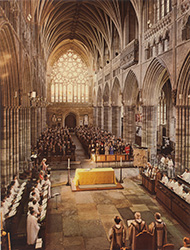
[116, 101]
[130, 94]
[158, 108]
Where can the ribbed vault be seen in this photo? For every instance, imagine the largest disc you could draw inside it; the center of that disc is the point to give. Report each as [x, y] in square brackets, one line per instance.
[89, 26]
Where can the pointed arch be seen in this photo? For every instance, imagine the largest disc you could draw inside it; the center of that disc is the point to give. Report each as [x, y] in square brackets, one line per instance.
[156, 76]
[99, 97]
[9, 64]
[106, 94]
[115, 93]
[130, 91]
[183, 83]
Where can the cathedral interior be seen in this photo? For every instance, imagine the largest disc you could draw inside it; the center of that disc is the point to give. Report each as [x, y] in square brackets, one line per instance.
[122, 66]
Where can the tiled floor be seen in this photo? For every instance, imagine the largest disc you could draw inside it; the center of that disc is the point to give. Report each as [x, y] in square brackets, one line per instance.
[83, 219]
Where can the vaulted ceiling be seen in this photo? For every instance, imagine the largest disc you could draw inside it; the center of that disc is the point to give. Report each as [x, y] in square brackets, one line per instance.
[86, 26]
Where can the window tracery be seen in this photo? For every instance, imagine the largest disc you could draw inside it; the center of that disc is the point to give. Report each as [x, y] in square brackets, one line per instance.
[69, 79]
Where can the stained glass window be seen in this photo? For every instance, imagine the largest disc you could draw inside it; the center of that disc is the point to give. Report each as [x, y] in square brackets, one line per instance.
[69, 79]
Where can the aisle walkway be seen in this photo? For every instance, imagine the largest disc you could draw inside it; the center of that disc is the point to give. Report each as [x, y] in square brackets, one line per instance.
[83, 219]
[80, 153]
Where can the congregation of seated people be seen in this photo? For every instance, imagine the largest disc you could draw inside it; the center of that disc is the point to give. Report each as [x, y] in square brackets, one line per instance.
[100, 142]
[55, 142]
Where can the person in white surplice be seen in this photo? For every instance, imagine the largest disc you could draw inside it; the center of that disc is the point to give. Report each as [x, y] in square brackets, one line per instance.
[32, 228]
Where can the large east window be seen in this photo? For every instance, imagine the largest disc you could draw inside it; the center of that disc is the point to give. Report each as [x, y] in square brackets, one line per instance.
[69, 79]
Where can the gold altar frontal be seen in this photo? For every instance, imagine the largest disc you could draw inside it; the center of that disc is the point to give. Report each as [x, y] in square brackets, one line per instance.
[94, 176]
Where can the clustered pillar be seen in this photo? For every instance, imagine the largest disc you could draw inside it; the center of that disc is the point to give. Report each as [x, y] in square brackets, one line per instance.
[182, 155]
[129, 124]
[9, 143]
[107, 118]
[116, 121]
[20, 128]
[149, 129]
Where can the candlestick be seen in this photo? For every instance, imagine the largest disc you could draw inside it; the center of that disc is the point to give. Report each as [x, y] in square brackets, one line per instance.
[9, 241]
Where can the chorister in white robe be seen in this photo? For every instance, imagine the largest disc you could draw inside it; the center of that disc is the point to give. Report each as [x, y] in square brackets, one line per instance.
[48, 182]
[32, 229]
[188, 197]
[165, 179]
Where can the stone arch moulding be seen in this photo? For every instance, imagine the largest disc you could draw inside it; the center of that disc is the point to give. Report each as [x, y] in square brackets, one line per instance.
[70, 118]
[26, 78]
[10, 77]
[99, 97]
[182, 156]
[156, 76]
[70, 112]
[106, 95]
[116, 93]
[130, 91]
[94, 98]
[183, 83]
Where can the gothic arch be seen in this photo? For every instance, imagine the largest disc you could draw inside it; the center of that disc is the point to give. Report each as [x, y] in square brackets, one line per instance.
[106, 94]
[130, 91]
[26, 80]
[156, 76]
[115, 93]
[99, 97]
[94, 98]
[182, 157]
[9, 65]
[183, 83]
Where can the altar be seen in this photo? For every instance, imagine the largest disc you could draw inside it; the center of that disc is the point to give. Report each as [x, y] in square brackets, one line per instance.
[94, 176]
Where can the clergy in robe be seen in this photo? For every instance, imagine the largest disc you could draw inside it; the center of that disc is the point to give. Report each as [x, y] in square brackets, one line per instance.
[136, 227]
[158, 228]
[32, 228]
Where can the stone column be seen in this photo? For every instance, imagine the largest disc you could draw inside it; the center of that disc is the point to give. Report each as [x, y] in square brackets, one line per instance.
[94, 116]
[149, 128]
[43, 118]
[7, 145]
[107, 116]
[21, 141]
[28, 134]
[10, 144]
[3, 147]
[99, 114]
[15, 141]
[39, 122]
[33, 126]
[129, 124]
[116, 121]
[182, 155]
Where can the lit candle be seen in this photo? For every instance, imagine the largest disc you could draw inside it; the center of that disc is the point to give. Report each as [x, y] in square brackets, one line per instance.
[9, 241]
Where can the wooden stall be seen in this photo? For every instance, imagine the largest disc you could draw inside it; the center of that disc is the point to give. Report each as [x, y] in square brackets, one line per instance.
[148, 183]
[177, 206]
[110, 158]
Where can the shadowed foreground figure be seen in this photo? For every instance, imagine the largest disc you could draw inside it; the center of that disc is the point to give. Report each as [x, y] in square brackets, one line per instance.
[117, 235]
[158, 228]
[137, 226]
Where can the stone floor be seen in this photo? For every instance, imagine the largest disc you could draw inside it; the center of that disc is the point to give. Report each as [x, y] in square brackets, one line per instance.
[81, 220]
